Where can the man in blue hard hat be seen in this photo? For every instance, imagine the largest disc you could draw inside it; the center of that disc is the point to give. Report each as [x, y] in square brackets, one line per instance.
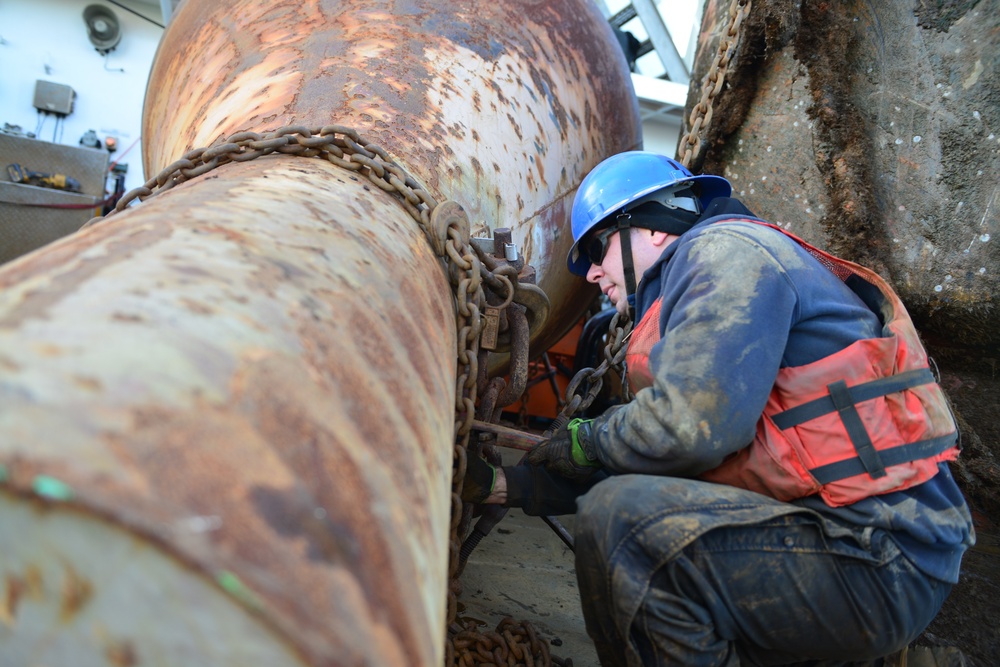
[778, 491]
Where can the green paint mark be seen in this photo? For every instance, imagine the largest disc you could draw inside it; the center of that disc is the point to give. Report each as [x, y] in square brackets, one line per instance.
[52, 488]
[3, 474]
[232, 585]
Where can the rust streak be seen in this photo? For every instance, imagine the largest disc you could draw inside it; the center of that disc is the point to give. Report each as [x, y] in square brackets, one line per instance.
[75, 594]
[13, 590]
[122, 654]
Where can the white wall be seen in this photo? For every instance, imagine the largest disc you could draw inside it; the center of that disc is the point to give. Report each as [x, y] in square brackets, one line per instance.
[47, 39]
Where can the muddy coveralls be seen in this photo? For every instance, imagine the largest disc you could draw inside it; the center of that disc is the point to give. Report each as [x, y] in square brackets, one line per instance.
[678, 571]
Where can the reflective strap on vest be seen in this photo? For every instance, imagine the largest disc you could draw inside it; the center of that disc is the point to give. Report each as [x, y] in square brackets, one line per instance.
[856, 431]
[843, 399]
[859, 394]
[892, 456]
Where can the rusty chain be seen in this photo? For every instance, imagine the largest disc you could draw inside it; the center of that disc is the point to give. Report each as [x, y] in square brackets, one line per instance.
[340, 145]
[619, 332]
[512, 643]
[447, 228]
[701, 115]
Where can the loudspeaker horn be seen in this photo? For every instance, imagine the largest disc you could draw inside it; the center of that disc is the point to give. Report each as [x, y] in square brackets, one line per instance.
[103, 28]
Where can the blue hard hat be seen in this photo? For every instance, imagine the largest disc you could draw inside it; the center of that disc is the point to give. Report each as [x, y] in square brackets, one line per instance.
[622, 179]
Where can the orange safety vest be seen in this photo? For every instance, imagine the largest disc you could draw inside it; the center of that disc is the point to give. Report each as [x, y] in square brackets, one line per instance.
[867, 420]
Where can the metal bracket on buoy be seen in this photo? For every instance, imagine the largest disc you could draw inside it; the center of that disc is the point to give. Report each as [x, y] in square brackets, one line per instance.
[500, 251]
[501, 246]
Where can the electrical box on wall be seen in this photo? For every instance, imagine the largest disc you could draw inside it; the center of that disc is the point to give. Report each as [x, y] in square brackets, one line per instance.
[54, 98]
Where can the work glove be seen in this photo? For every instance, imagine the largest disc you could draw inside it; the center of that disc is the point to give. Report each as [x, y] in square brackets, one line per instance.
[480, 477]
[570, 452]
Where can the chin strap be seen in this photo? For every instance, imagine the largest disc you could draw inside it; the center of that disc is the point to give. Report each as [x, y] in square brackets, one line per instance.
[624, 223]
[654, 216]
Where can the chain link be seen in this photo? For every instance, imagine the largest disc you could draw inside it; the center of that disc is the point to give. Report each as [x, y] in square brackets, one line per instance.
[701, 115]
[338, 144]
[512, 643]
[619, 332]
[447, 228]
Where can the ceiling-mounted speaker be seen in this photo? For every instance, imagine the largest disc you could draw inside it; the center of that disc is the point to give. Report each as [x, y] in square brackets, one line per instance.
[103, 28]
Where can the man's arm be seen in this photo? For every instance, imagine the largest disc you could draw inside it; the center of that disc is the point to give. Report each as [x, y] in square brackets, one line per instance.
[728, 307]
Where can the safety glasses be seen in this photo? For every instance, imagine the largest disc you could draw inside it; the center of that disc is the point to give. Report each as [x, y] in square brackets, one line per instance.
[596, 248]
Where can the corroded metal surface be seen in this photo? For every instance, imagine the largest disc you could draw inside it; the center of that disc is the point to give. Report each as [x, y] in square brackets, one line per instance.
[66, 573]
[249, 372]
[873, 129]
[501, 106]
